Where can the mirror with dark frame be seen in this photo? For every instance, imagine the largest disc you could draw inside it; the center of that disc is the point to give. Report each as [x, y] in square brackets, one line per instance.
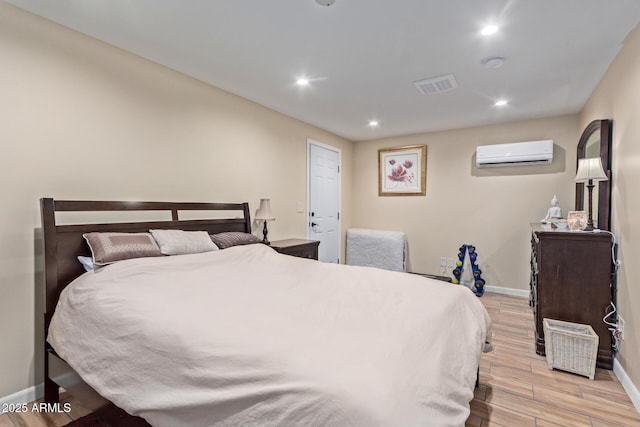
[596, 141]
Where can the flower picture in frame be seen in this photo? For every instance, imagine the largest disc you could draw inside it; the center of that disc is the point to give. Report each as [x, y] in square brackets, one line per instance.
[577, 220]
[402, 171]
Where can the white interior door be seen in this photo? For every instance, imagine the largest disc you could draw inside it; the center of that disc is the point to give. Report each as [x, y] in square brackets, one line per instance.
[324, 199]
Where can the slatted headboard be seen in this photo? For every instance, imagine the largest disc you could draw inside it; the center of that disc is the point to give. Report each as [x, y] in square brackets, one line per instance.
[63, 243]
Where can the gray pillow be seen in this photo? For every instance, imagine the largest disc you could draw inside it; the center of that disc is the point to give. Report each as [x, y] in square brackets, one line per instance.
[107, 248]
[233, 238]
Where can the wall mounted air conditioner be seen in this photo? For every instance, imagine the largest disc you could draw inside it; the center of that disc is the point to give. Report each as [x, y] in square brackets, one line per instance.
[518, 153]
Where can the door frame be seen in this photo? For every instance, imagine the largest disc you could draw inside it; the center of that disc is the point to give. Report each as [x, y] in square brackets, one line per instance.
[311, 142]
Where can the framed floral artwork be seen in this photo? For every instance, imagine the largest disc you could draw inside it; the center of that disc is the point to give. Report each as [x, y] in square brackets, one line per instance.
[402, 171]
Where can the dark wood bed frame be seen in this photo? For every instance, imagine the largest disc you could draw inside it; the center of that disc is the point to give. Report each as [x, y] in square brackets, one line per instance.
[63, 243]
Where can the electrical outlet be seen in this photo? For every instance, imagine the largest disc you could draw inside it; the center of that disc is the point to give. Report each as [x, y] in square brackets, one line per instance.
[443, 262]
[450, 262]
[621, 327]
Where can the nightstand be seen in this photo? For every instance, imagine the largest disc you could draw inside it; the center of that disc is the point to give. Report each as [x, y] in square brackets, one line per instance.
[297, 247]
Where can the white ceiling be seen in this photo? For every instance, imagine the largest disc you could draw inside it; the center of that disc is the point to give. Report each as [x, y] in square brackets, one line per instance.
[365, 54]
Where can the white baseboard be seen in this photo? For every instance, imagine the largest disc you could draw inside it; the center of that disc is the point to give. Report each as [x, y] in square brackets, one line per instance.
[627, 384]
[507, 291]
[24, 396]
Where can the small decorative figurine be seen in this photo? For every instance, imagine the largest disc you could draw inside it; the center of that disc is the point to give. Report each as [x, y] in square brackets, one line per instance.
[554, 211]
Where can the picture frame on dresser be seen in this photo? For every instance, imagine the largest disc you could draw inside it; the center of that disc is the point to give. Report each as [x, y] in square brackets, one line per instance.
[577, 220]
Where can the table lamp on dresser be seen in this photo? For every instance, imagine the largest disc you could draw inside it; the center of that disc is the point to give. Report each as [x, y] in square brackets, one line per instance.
[264, 214]
[590, 170]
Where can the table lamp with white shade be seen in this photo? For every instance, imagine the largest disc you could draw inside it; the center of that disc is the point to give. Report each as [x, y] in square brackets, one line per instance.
[590, 170]
[264, 214]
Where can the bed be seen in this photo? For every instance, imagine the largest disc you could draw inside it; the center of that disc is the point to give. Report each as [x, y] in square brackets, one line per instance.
[247, 336]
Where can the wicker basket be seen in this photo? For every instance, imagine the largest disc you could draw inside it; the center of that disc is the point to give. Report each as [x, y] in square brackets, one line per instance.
[571, 347]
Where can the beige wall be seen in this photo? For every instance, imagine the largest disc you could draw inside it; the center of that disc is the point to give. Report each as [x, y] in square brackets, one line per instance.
[490, 208]
[81, 119]
[617, 97]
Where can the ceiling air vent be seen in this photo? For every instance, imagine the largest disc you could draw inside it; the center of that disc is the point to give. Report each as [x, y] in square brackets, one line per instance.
[436, 84]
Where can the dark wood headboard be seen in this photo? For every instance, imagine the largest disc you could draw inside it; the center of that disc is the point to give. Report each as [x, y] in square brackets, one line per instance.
[63, 243]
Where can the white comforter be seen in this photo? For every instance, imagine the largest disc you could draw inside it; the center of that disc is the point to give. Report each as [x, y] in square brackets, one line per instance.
[249, 337]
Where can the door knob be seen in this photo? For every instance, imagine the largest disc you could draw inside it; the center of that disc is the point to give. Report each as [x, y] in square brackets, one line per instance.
[313, 224]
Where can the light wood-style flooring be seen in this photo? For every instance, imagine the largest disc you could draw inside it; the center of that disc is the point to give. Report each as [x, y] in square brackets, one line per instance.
[39, 419]
[516, 387]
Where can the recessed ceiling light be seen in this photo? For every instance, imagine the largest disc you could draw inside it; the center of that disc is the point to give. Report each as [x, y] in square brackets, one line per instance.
[302, 82]
[501, 103]
[374, 123]
[489, 29]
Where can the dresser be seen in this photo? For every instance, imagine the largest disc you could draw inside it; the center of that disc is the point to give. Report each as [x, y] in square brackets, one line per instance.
[297, 247]
[571, 281]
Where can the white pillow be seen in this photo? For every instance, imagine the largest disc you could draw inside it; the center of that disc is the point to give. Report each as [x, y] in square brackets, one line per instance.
[87, 263]
[180, 242]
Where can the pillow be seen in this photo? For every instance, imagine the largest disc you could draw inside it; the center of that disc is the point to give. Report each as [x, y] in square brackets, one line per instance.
[87, 263]
[107, 248]
[179, 242]
[233, 238]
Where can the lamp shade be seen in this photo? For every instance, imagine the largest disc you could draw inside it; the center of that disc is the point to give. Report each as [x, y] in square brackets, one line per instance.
[590, 169]
[264, 211]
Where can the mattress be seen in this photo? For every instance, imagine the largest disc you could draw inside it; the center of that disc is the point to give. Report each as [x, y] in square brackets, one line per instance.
[246, 336]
